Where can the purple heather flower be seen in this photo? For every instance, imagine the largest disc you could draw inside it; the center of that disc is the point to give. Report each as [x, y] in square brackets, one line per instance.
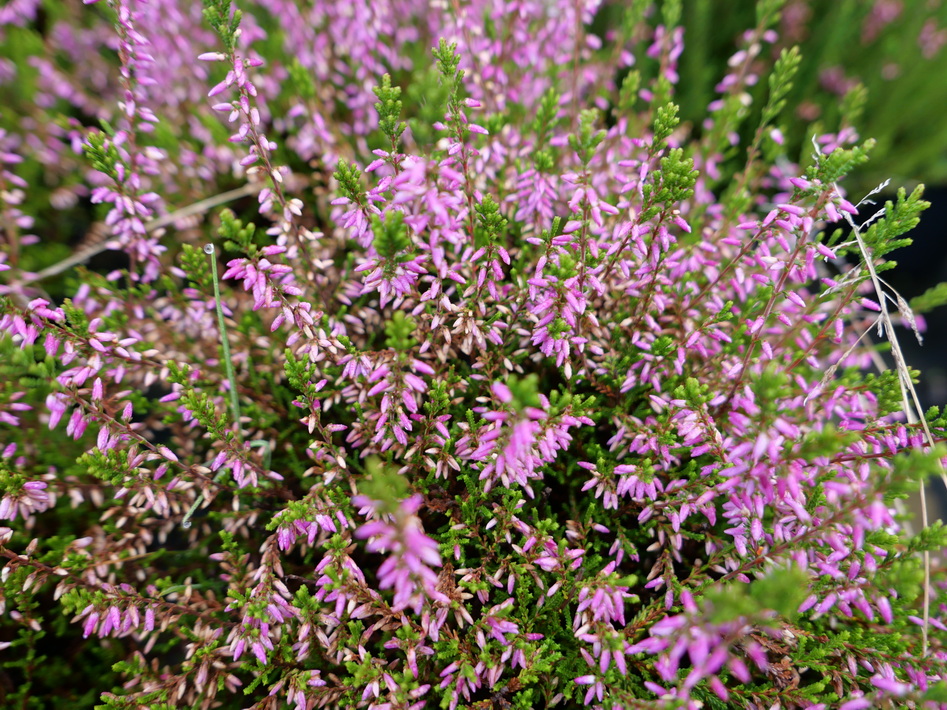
[394, 279]
[412, 554]
[31, 498]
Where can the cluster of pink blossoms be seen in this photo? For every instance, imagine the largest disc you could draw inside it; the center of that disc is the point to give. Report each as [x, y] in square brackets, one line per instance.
[409, 569]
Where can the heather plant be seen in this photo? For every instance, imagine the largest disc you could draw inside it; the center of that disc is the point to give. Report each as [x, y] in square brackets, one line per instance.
[854, 52]
[869, 68]
[440, 364]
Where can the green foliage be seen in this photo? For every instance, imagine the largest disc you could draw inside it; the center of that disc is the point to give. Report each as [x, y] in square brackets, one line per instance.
[916, 466]
[937, 693]
[448, 62]
[237, 236]
[933, 538]
[900, 217]
[823, 442]
[383, 484]
[853, 105]
[303, 84]
[111, 466]
[389, 110]
[199, 403]
[828, 169]
[588, 139]
[780, 83]
[426, 96]
[932, 298]
[101, 152]
[224, 21]
[887, 389]
[195, 265]
[628, 94]
[491, 222]
[665, 121]
[781, 591]
[399, 331]
[547, 117]
[672, 183]
[349, 178]
[878, 92]
[391, 235]
[768, 12]
[447, 59]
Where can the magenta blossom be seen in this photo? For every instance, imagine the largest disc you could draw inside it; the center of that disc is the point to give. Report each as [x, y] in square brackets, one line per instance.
[412, 554]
